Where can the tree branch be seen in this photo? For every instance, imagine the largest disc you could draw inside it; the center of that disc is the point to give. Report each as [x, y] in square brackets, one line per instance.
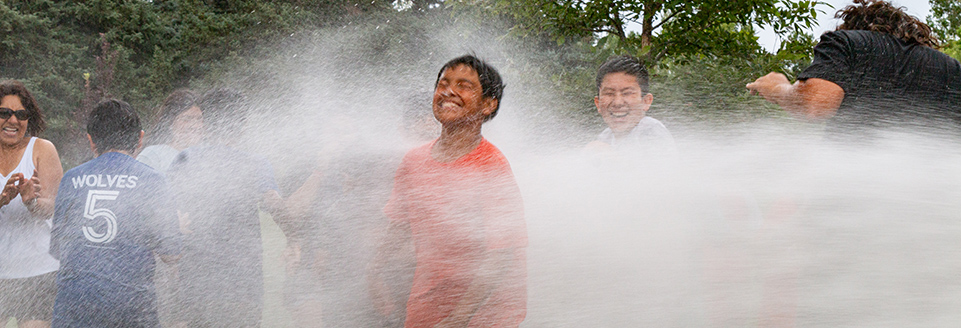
[665, 20]
[599, 30]
[617, 24]
[660, 54]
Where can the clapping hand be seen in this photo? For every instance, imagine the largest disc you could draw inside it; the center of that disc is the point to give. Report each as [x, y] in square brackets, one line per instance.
[11, 188]
[30, 189]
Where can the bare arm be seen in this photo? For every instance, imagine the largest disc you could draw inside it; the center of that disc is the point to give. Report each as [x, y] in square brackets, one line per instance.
[44, 184]
[813, 98]
[298, 204]
[298, 208]
[277, 208]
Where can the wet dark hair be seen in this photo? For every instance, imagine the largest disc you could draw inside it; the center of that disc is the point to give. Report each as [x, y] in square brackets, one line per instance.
[629, 65]
[114, 125]
[35, 124]
[882, 16]
[176, 103]
[225, 111]
[492, 87]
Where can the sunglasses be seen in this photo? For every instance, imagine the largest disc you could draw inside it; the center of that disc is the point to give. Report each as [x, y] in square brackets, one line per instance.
[22, 114]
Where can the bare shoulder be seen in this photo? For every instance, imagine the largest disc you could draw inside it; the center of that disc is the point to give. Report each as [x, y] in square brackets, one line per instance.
[44, 146]
[44, 150]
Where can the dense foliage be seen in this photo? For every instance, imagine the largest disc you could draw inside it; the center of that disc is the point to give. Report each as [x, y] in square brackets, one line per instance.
[667, 27]
[701, 53]
[945, 19]
[152, 48]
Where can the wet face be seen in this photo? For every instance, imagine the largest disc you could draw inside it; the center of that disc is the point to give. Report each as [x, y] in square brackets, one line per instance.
[13, 128]
[187, 127]
[621, 102]
[459, 99]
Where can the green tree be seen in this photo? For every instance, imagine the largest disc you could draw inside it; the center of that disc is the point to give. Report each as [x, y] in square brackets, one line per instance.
[667, 27]
[47, 58]
[156, 46]
[945, 20]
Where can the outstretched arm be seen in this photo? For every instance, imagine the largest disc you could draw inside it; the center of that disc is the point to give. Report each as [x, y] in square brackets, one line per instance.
[813, 98]
[299, 203]
[275, 205]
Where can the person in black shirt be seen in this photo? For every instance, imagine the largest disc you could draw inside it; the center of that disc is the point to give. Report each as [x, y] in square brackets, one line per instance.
[879, 69]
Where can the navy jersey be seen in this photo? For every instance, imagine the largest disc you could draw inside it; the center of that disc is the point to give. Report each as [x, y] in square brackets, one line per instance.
[111, 215]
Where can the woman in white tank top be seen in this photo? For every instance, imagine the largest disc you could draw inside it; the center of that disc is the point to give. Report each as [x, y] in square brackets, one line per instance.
[31, 173]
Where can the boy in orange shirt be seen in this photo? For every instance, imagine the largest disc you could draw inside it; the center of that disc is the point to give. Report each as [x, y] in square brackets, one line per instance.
[457, 201]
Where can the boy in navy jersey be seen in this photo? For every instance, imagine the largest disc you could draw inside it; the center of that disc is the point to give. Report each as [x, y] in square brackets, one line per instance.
[112, 214]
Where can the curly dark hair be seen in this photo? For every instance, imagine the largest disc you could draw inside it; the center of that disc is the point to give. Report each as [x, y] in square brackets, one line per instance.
[36, 123]
[882, 16]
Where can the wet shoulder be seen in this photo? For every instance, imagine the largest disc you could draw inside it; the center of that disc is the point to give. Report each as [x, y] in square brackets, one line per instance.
[864, 44]
[113, 161]
[109, 170]
[76, 170]
[884, 46]
[419, 154]
[864, 37]
[43, 147]
[487, 155]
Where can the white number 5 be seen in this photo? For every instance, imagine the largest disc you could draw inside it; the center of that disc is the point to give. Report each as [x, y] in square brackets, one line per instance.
[91, 212]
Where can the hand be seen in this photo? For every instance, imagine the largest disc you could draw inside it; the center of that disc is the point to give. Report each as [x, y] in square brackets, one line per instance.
[30, 189]
[11, 189]
[184, 219]
[771, 86]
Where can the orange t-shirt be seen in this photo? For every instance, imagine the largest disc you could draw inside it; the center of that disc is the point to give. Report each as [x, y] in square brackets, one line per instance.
[457, 212]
